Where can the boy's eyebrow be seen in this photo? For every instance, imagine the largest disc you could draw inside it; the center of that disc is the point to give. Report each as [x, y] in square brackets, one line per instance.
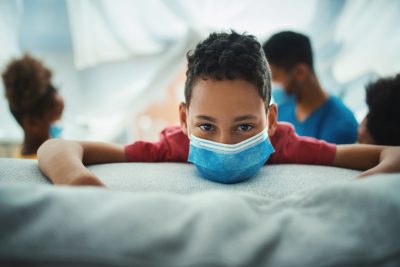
[205, 117]
[244, 117]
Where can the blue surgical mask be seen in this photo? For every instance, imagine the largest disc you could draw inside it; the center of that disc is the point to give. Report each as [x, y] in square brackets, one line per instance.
[226, 163]
[55, 130]
[279, 96]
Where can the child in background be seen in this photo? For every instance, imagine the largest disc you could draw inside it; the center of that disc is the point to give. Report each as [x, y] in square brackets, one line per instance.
[228, 130]
[33, 101]
[381, 126]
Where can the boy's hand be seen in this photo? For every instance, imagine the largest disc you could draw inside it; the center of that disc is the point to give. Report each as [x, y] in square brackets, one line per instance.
[63, 161]
[87, 180]
[389, 161]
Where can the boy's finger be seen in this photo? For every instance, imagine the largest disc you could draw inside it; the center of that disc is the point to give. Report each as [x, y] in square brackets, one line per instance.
[368, 172]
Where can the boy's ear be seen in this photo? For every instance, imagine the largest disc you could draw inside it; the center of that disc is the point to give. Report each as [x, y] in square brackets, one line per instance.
[183, 117]
[272, 117]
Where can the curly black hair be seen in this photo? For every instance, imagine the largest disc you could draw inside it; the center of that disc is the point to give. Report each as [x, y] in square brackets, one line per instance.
[287, 48]
[28, 87]
[229, 56]
[383, 119]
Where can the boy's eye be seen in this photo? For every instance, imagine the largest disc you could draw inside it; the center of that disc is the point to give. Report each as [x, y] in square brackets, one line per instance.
[245, 127]
[206, 127]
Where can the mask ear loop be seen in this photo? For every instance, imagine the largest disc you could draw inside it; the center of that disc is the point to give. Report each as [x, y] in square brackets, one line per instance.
[187, 122]
[266, 114]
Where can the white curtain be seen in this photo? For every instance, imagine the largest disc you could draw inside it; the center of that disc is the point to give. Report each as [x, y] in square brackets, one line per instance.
[368, 32]
[9, 18]
[104, 31]
[9, 22]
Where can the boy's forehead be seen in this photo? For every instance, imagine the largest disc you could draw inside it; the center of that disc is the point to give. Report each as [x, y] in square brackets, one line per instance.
[228, 96]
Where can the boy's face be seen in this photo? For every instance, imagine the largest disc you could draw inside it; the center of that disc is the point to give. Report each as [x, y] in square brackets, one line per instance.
[227, 111]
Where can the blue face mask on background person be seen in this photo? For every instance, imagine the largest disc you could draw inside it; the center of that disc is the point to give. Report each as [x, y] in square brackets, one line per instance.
[224, 163]
[55, 130]
[279, 95]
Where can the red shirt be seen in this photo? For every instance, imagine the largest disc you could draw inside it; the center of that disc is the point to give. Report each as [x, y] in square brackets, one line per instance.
[289, 148]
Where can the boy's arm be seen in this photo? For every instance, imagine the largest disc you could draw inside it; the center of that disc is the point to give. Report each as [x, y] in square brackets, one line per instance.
[64, 161]
[373, 159]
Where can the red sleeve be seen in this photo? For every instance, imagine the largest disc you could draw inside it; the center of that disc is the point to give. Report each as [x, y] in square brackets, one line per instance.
[291, 148]
[172, 146]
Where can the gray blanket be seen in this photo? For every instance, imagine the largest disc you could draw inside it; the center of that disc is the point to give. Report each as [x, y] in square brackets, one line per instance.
[352, 223]
[274, 181]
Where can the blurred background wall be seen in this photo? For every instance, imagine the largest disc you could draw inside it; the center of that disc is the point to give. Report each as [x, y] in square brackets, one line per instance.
[120, 64]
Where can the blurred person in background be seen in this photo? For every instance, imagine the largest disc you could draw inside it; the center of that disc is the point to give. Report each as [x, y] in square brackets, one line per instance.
[33, 101]
[381, 126]
[311, 110]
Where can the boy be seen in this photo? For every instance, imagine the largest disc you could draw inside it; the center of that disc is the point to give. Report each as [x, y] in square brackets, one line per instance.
[310, 109]
[381, 126]
[227, 94]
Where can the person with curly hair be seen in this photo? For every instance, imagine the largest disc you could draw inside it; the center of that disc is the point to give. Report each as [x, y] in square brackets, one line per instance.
[381, 126]
[33, 101]
[228, 127]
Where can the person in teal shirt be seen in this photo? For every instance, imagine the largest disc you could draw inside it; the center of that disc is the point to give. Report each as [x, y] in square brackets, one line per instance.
[311, 110]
